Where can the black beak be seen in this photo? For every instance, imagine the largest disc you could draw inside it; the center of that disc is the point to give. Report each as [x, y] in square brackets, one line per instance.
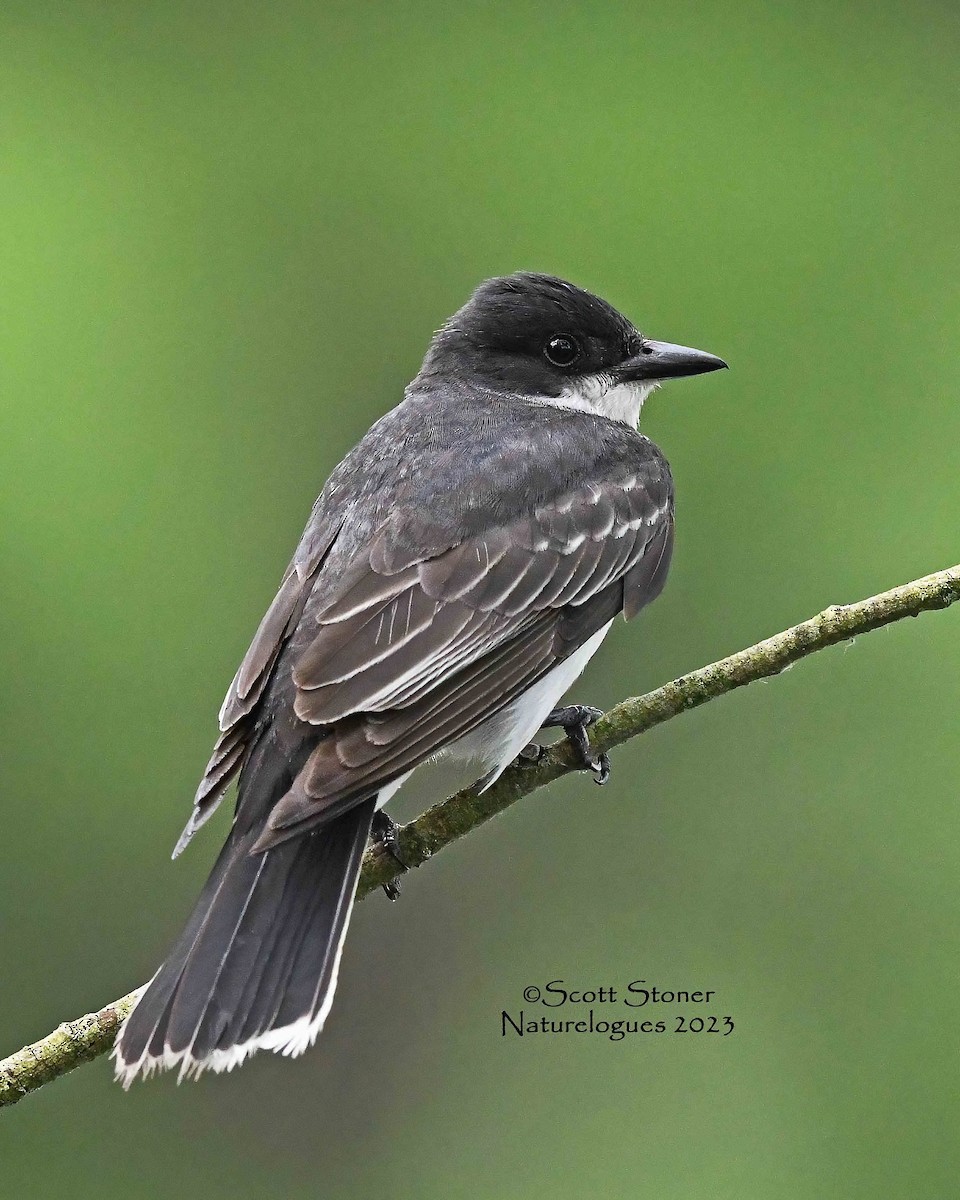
[663, 360]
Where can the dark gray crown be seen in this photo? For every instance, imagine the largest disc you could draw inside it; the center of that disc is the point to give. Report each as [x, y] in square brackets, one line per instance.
[500, 335]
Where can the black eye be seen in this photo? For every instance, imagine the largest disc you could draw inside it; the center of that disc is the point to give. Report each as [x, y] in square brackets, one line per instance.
[561, 350]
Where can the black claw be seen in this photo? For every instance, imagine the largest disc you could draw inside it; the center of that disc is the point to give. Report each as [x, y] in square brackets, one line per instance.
[385, 831]
[574, 720]
[602, 767]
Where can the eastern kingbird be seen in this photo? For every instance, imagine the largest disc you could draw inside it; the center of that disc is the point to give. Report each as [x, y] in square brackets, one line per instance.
[459, 569]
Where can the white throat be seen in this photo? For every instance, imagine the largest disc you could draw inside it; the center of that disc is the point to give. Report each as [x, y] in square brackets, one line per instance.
[599, 394]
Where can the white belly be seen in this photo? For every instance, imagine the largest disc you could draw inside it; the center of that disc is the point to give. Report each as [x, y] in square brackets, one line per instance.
[498, 741]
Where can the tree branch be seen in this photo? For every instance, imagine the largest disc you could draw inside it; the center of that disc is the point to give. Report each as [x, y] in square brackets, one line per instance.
[82, 1040]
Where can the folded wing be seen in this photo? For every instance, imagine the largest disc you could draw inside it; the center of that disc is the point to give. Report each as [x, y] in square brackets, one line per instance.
[413, 645]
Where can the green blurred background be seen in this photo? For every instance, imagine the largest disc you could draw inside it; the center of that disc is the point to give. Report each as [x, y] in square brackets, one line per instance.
[226, 234]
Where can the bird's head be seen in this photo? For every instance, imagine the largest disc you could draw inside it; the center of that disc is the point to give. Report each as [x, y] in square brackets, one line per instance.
[539, 336]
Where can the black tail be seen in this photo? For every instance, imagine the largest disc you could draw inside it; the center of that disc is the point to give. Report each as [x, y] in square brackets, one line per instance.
[256, 966]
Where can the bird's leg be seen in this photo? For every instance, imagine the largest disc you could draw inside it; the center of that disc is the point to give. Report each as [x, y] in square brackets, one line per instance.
[574, 720]
[383, 832]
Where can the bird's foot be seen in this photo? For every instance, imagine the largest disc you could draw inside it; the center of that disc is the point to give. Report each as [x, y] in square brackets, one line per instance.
[574, 720]
[385, 833]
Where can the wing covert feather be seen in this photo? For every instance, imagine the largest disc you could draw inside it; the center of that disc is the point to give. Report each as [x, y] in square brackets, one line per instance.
[420, 633]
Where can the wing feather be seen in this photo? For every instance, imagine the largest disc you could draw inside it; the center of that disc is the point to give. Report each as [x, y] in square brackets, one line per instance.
[365, 754]
[418, 637]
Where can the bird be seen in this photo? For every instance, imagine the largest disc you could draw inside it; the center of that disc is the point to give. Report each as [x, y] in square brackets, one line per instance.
[460, 567]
